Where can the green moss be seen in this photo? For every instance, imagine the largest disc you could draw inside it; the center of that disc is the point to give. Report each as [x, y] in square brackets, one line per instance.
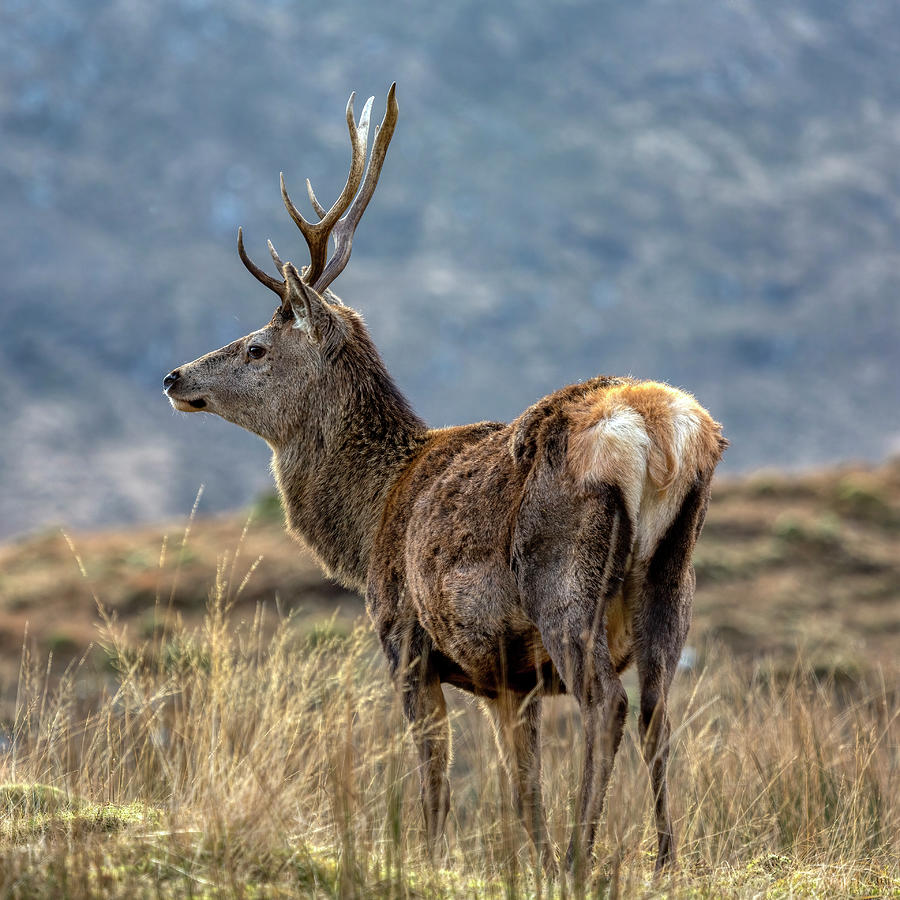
[60, 642]
[824, 533]
[267, 508]
[711, 567]
[141, 559]
[29, 799]
[31, 810]
[327, 634]
[858, 498]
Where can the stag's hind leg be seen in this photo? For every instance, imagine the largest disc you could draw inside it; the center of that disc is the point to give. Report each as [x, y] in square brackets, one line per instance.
[603, 711]
[661, 619]
[570, 558]
[658, 649]
[517, 729]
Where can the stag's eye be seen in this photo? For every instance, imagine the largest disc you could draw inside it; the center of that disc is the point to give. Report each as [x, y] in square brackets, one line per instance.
[255, 351]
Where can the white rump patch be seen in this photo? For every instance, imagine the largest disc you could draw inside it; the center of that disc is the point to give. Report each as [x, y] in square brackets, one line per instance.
[616, 453]
[653, 471]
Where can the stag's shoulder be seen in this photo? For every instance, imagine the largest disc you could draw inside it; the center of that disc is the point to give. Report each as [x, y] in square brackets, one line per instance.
[439, 450]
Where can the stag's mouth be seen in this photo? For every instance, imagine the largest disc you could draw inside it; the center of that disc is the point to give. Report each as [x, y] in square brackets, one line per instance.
[181, 405]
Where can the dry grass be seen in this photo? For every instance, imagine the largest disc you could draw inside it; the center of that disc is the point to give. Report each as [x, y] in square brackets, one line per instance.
[248, 761]
[197, 742]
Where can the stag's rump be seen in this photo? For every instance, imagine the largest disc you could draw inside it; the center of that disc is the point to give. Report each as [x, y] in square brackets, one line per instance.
[653, 442]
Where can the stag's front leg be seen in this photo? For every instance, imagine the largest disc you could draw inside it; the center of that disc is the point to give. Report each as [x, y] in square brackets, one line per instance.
[426, 710]
[517, 730]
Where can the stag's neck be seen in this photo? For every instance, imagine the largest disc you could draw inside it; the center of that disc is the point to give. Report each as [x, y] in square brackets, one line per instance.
[334, 488]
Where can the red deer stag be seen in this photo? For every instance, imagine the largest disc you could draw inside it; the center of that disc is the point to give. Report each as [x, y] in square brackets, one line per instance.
[509, 560]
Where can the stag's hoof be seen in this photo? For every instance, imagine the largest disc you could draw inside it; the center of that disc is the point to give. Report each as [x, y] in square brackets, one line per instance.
[549, 865]
[665, 864]
[578, 864]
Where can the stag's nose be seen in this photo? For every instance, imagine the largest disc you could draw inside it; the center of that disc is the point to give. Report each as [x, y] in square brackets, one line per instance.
[171, 378]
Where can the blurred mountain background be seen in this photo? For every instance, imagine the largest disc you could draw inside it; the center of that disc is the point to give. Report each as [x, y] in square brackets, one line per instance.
[704, 193]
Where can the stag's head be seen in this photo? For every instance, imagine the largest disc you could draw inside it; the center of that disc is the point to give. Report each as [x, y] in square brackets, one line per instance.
[271, 381]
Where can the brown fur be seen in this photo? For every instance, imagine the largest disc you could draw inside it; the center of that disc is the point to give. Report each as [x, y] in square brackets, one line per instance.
[510, 561]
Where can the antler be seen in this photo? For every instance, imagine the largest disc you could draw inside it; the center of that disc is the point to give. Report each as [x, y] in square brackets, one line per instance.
[317, 235]
[341, 220]
[343, 230]
[273, 284]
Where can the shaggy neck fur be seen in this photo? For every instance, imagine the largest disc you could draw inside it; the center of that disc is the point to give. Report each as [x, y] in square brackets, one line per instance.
[334, 482]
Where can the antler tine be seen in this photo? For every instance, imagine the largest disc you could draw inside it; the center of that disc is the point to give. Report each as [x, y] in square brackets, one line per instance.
[273, 284]
[363, 133]
[275, 257]
[364, 122]
[320, 210]
[316, 236]
[344, 228]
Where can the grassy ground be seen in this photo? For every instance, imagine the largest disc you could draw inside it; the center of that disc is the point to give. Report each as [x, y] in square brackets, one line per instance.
[197, 740]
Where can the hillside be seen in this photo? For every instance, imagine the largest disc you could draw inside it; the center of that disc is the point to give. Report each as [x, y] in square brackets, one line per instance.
[703, 193]
[785, 563]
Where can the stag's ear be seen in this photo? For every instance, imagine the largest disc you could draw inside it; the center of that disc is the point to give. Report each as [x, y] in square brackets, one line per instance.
[311, 312]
